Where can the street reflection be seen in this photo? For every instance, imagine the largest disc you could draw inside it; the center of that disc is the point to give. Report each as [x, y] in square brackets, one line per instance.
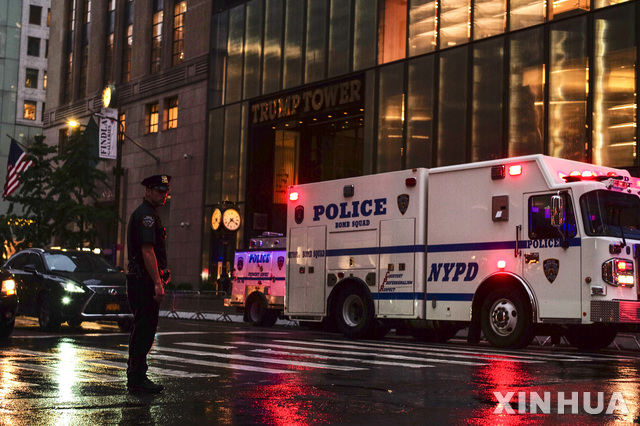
[287, 401]
[527, 401]
[8, 386]
[502, 377]
[65, 367]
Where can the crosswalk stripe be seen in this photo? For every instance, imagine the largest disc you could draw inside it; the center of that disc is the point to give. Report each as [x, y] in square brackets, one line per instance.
[261, 359]
[500, 353]
[363, 361]
[379, 355]
[153, 370]
[526, 358]
[204, 363]
[316, 356]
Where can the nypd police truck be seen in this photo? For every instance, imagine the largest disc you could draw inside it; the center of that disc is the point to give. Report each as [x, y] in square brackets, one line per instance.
[509, 248]
[258, 280]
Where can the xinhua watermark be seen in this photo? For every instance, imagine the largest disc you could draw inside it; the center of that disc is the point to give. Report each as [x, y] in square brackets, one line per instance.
[573, 403]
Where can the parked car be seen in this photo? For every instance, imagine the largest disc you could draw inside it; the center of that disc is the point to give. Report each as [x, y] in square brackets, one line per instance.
[8, 303]
[58, 285]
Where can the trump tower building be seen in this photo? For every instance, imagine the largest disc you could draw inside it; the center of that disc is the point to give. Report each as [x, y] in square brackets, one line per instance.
[282, 92]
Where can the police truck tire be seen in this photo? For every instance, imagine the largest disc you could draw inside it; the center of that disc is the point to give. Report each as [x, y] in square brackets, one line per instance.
[353, 312]
[257, 312]
[506, 319]
[48, 319]
[590, 337]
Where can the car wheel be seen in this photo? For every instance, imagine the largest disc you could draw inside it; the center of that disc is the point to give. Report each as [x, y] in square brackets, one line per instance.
[6, 329]
[47, 317]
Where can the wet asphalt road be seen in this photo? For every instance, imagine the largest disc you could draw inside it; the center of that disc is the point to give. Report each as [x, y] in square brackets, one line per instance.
[236, 374]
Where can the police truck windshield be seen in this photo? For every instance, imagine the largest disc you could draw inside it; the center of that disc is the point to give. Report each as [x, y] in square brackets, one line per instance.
[613, 214]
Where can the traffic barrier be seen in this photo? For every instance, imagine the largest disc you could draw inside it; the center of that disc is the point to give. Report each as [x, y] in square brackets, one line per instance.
[199, 303]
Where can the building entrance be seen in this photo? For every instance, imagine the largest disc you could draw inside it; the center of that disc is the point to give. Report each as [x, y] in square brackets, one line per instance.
[317, 148]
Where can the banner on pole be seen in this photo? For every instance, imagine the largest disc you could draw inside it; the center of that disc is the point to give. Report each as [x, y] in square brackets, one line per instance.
[108, 139]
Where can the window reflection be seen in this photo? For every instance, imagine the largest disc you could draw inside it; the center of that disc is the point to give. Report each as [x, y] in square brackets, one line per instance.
[489, 18]
[422, 27]
[526, 13]
[390, 119]
[526, 93]
[454, 22]
[564, 8]
[364, 37]
[420, 113]
[272, 51]
[253, 49]
[488, 91]
[233, 88]
[316, 44]
[614, 88]
[339, 35]
[392, 33]
[452, 107]
[568, 82]
[294, 22]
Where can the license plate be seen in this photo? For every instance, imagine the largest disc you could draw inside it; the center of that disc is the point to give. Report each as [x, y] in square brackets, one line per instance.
[113, 307]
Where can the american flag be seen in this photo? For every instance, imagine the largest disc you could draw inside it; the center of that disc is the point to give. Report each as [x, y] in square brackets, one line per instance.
[16, 164]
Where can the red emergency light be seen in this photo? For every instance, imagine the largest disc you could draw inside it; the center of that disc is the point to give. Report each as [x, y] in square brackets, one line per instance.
[515, 170]
[293, 196]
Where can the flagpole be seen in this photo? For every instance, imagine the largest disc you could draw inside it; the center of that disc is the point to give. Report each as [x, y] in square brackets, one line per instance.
[13, 139]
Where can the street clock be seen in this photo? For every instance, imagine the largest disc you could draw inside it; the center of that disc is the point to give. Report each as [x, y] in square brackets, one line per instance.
[231, 219]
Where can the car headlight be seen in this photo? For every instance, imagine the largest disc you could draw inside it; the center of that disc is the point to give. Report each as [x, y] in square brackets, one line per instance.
[8, 287]
[72, 287]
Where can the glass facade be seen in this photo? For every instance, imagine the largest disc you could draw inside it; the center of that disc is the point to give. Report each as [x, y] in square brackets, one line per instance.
[447, 82]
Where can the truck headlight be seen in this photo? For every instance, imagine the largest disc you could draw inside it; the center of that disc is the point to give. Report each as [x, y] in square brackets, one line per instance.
[618, 272]
[72, 287]
[8, 287]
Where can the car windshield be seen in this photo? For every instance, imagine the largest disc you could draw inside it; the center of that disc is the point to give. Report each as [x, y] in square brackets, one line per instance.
[77, 262]
[613, 214]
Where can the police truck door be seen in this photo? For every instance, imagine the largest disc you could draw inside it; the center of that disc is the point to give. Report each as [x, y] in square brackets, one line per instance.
[306, 271]
[551, 257]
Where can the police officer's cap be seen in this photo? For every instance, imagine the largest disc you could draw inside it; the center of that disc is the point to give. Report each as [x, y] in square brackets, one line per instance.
[159, 182]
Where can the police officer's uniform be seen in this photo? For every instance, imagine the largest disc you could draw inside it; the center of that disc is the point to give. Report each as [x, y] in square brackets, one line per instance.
[144, 227]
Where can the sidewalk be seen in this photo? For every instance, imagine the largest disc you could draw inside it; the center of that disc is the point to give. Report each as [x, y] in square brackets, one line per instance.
[195, 306]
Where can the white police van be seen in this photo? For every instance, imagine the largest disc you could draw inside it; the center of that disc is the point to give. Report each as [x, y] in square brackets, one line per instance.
[258, 280]
[510, 248]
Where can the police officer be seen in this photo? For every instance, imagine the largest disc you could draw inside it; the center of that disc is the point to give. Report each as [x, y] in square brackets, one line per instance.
[146, 277]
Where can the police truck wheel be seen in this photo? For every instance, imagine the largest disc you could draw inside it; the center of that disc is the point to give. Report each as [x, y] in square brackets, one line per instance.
[354, 312]
[48, 319]
[506, 319]
[256, 311]
[590, 337]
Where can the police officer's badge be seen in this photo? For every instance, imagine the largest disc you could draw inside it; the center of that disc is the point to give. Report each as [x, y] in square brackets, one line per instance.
[299, 214]
[280, 262]
[240, 264]
[403, 203]
[551, 267]
[148, 221]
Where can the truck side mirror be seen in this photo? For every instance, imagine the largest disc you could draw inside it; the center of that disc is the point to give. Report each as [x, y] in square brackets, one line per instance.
[557, 211]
